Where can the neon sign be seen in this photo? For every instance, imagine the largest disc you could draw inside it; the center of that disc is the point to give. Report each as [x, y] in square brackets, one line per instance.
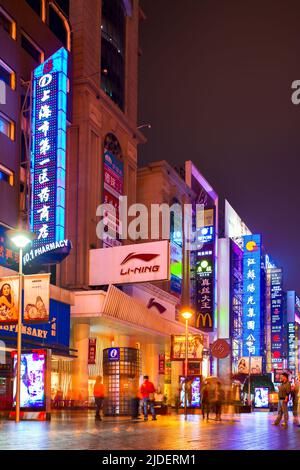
[276, 316]
[251, 295]
[48, 151]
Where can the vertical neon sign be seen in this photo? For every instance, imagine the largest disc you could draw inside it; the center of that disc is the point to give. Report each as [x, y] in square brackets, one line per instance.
[48, 150]
[251, 295]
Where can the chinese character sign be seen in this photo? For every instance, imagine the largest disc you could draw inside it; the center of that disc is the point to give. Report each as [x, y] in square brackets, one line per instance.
[48, 150]
[252, 295]
[205, 292]
[276, 316]
[292, 345]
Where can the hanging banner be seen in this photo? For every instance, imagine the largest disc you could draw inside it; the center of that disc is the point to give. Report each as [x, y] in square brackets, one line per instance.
[36, 298]
[92, 351]
[161, 364]
[9, 299]
[277, 336]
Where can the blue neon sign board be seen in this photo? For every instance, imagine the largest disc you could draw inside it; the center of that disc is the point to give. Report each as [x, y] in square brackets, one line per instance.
[252, 295]
[48, 150]
[114, 354]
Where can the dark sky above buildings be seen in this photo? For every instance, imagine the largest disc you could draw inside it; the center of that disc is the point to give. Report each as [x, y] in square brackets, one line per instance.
[215, 84]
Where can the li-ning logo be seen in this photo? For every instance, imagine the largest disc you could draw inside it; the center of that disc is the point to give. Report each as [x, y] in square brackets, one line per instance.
[157, 305]
[2, 92]
[146, 257]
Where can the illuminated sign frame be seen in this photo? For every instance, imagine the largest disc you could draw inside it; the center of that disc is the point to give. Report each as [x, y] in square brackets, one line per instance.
[252, 295]
[48, 150]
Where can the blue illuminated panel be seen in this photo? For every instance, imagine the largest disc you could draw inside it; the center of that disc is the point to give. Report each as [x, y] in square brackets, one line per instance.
[48, 150]
[252, 295]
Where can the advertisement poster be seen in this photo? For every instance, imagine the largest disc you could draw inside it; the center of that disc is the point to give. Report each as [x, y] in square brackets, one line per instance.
[33, 367]
[261, 397]
[195, 347]
[192, 387]
[256, 365]
[36, 298]
[9, 299]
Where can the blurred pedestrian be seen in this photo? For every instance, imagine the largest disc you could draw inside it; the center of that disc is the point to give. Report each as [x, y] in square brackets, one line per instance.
[147, 391]
[219, 396]
[135, 396]
[284, 391]
[205, 400]
[99, 397]
[294, 397]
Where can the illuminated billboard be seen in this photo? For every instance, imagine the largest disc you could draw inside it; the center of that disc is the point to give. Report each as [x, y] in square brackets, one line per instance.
[205, 291]
[48, 159]
[33, 371]
[277, 339]
[252, 295]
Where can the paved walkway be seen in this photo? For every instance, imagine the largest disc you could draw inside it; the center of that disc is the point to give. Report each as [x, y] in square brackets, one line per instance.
[78, 430]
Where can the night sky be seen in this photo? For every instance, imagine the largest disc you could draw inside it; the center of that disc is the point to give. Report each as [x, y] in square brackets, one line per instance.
[215, 84]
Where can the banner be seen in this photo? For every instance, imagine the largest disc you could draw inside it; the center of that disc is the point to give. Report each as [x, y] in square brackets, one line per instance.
[92, 351]
[36, 298]
[9, 299]
[195, 347]
[161, 364]
[256, 365]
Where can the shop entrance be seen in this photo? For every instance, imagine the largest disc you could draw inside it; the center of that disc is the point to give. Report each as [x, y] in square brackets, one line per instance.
[121, 372]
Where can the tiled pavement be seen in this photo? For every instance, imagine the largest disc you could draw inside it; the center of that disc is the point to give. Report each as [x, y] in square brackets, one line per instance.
[78, 430]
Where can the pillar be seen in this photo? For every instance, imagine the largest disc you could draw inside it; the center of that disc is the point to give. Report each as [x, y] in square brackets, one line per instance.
[80, 365]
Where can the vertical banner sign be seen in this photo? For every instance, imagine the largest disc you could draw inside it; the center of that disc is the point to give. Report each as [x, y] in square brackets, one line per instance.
[9, 299]
[113, 189]
[48, 154]
[276, 317]
[36, 298]
[161, 364]
[205, 290]
[292, 348]
[92, 351]
[252, 295]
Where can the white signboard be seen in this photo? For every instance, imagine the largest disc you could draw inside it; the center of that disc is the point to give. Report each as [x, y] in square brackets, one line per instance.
[142, 262]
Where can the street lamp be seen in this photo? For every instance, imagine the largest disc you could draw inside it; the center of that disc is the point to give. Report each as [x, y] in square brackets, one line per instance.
[186, 314]
[20, 238]
[249, 343]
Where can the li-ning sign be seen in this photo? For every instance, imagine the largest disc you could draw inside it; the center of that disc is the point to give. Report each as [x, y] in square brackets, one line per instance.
[142, 262]
[48, 150]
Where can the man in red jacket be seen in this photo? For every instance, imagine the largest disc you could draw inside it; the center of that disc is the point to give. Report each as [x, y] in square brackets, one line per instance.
[147, 392]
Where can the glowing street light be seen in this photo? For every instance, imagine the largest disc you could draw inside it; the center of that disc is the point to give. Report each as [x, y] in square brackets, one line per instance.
[21, 239]
[186, 314]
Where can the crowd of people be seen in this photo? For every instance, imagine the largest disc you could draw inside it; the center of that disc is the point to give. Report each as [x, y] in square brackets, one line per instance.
[212, 399]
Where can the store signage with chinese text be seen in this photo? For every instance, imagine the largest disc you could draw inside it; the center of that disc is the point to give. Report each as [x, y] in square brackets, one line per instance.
[161, 364]
[252, 295]
[205, 291]
[48, 154]
[276, 316]
[92, 351]
[292, 345]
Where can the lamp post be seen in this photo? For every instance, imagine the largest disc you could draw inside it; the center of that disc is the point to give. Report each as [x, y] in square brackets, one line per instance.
[20, 238]
[186, 314]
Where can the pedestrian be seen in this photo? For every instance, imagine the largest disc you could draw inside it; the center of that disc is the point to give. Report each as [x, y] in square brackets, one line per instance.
[147, 391]
[284, 391]
[135, 396]
[219, 396]
[99, 397]
[205, 400]
[294, 396]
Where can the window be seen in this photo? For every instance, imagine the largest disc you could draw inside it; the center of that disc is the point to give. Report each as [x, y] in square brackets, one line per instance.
[64, 5]
[57, 26]
[7, 127]
[6, 175]
[8, 24]
[113, 32]
[7, 75]
[35, 5]
[33, 49]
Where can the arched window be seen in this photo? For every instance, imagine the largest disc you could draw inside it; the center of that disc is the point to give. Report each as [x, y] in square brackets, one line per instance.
[112, 144]
[113, 45]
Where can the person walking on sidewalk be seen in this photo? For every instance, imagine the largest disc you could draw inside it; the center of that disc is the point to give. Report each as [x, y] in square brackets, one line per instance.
[284, 391]
[205, 400]
[219, 396]
[294, 396]
[99, 397]
[147, 392]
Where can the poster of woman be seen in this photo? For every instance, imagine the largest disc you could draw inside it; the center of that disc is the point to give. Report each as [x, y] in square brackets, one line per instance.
[9, 299]
[36, 298]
